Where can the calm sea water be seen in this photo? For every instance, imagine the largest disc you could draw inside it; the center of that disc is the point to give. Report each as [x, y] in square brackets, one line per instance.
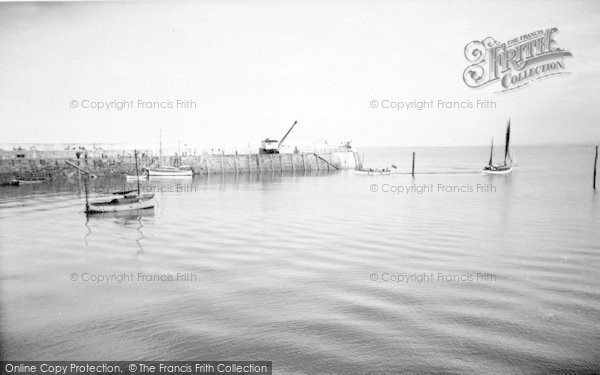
[317, 272]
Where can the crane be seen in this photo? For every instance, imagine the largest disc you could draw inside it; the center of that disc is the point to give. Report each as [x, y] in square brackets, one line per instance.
[267, 146]
[286, 134]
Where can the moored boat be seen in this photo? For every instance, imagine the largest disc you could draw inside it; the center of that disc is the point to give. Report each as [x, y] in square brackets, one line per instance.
[28, 181]
[126, 203]
[167, 171]
[131, 200]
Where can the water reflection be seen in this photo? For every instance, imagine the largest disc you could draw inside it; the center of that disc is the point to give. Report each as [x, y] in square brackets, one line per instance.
[89, 230]
[124, 219]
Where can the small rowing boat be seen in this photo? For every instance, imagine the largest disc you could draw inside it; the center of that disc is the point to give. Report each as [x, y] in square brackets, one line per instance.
[28, 181]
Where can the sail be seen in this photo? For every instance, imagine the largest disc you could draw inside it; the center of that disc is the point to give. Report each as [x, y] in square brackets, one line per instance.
[491, 152]
[507, 141]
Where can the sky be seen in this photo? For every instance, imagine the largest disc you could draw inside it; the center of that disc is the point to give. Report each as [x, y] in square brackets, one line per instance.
[254, 67]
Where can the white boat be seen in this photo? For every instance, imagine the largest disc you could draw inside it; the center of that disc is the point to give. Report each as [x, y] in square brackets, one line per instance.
[505, 168]
[166, 171]
[128, 202]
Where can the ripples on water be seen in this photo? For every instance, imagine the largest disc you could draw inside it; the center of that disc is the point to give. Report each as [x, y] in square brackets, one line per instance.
[283, 264]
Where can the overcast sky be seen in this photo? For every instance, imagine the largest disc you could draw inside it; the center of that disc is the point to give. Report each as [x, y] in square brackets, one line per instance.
[253, 67]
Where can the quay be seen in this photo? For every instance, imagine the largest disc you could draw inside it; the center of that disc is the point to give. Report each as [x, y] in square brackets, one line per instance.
[59, 164]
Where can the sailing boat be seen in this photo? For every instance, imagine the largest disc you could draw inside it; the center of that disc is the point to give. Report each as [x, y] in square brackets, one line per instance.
[167, 171]
[129, 200]
[504, 168]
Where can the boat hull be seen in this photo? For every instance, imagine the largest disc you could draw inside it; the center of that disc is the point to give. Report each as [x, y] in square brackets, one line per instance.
[127, 203]
[496, 170]
[170, 172]
[29, 181]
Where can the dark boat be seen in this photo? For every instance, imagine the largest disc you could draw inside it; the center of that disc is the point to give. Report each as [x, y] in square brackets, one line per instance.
[28, 181]
[504, 168]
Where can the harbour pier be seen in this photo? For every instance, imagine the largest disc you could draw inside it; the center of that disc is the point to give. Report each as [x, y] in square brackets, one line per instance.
[59, 164]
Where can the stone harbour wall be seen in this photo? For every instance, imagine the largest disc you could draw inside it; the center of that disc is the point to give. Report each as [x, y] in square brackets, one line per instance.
[109, 165]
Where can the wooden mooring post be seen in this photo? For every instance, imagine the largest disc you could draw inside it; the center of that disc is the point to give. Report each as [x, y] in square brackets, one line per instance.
[413, 165]
[595, 164]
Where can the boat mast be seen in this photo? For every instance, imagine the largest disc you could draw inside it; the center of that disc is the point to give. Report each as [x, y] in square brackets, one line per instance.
[87, 203]
[507, 141]
[159, 146]
[137, 175]
[491, 152]
[85, 179]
